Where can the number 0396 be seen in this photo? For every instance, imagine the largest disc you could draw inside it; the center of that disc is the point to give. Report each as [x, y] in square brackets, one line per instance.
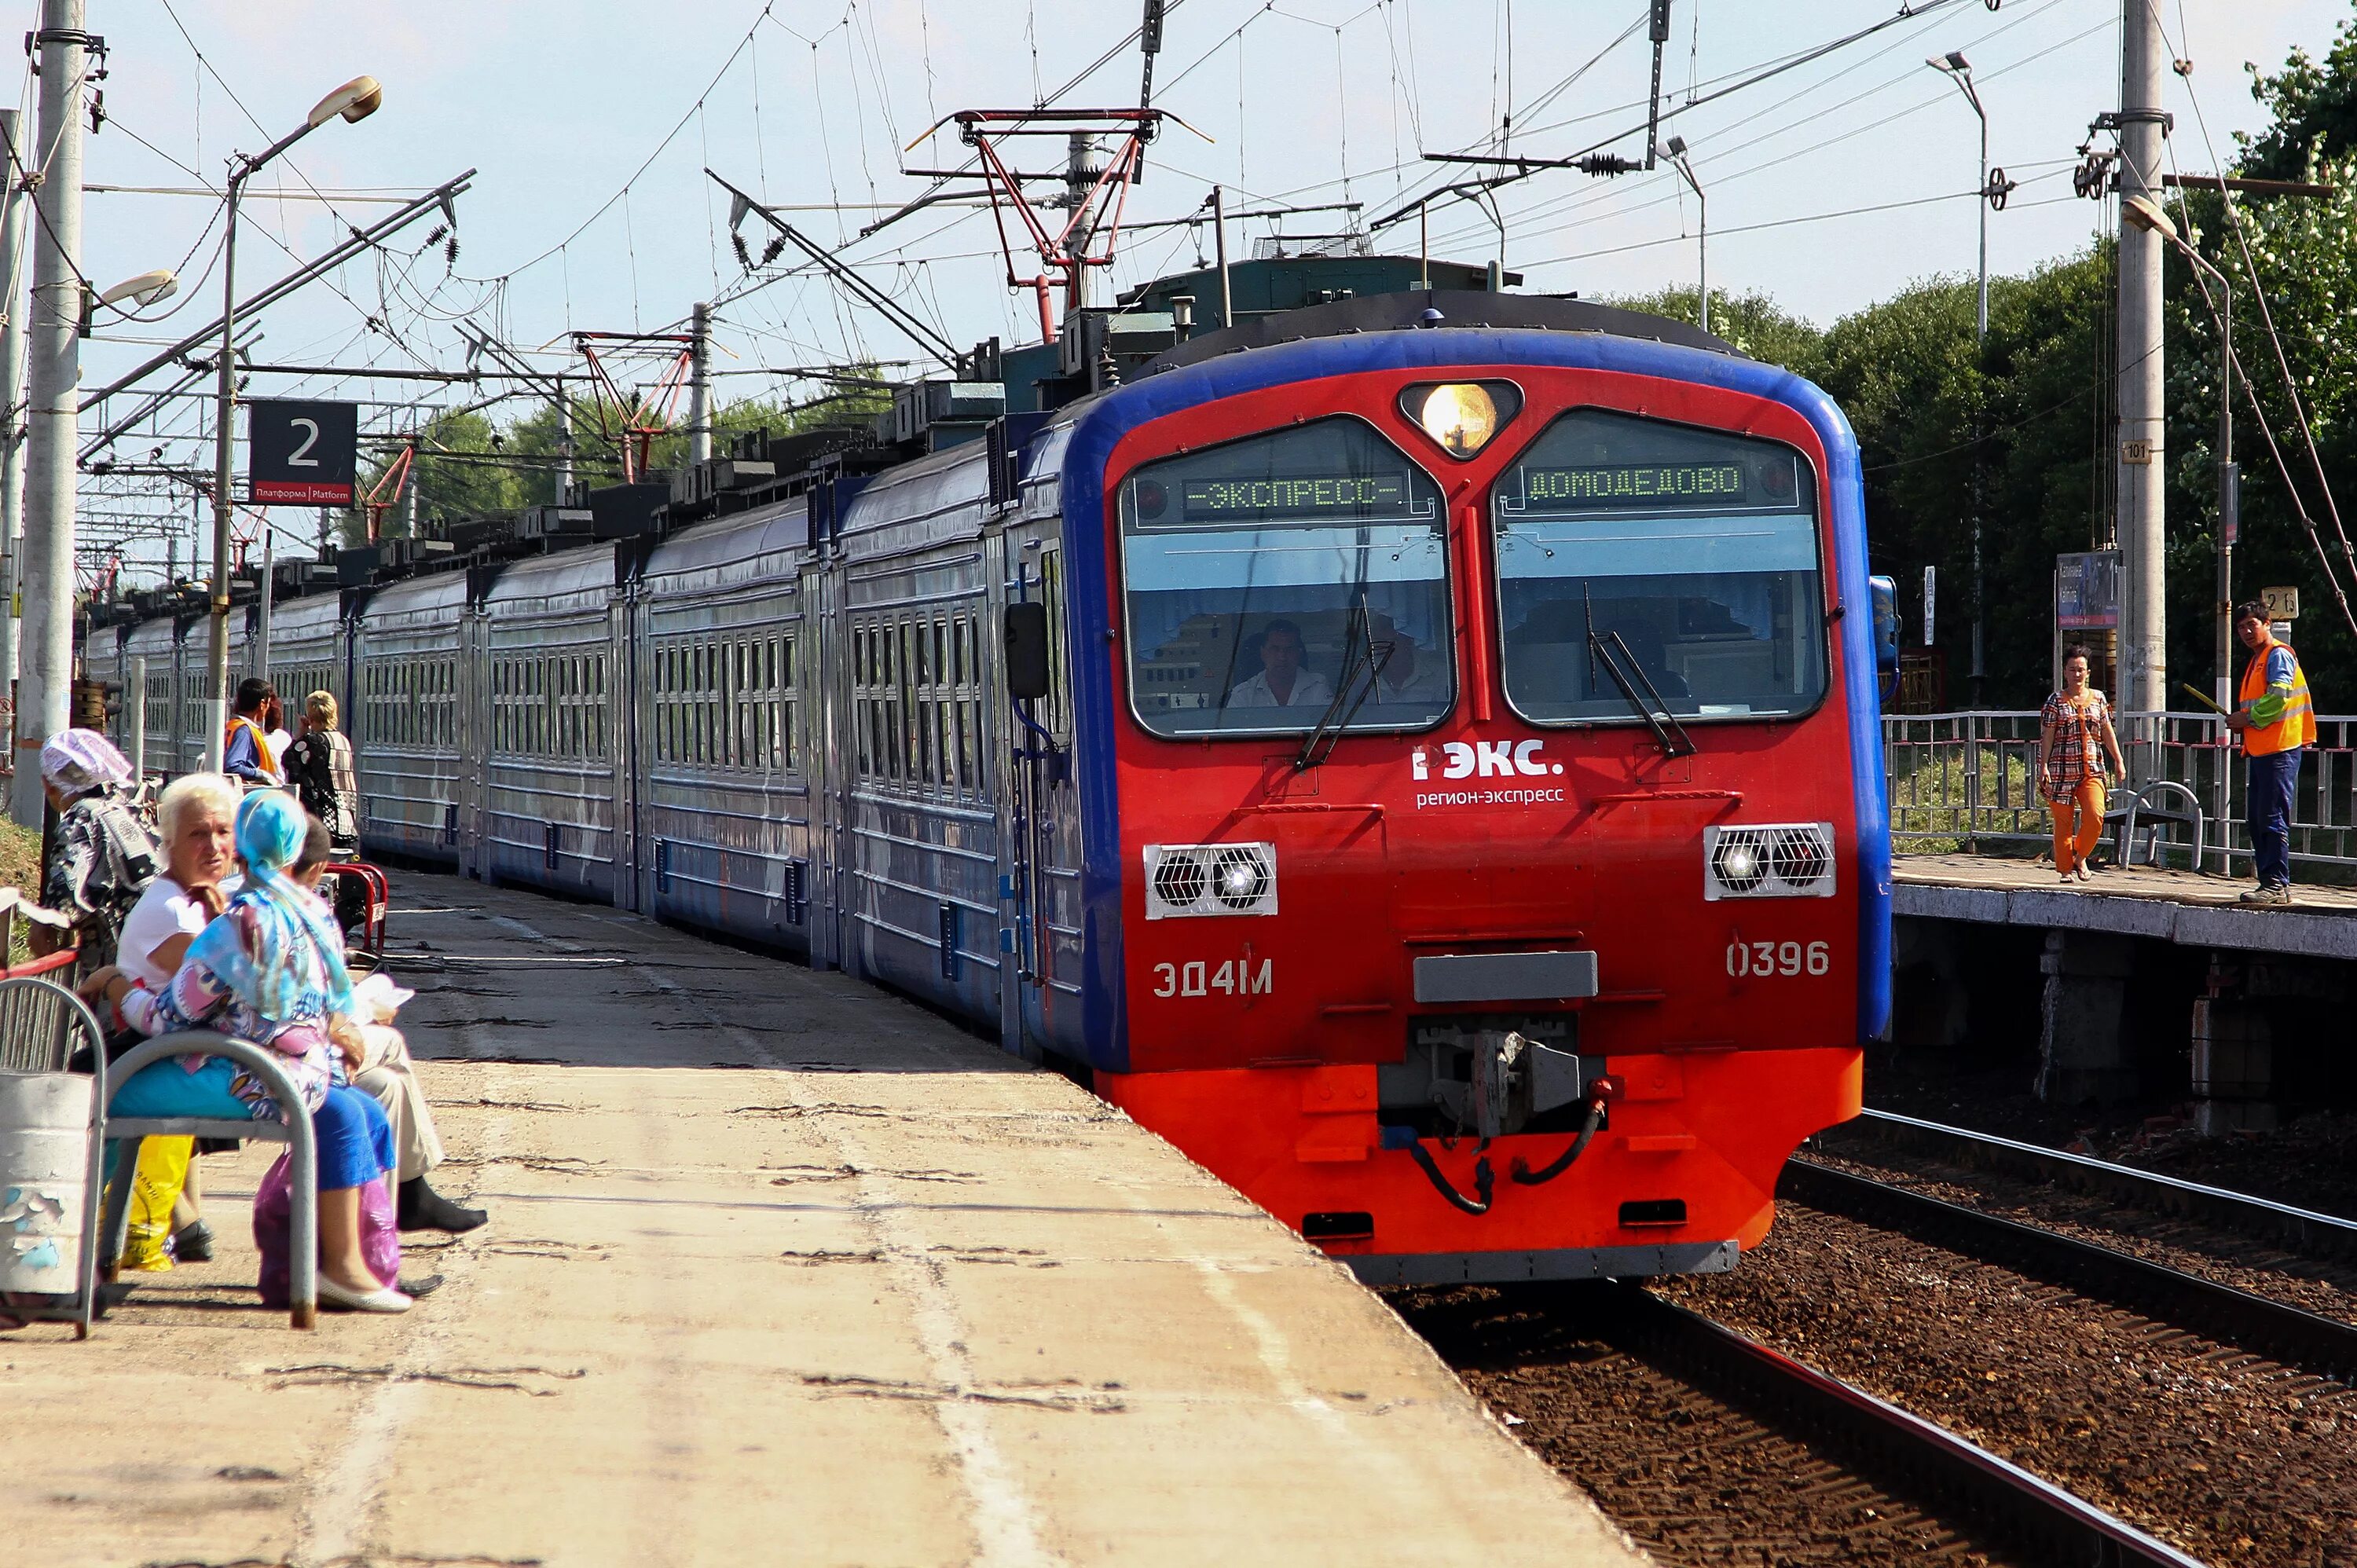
[1765, 959]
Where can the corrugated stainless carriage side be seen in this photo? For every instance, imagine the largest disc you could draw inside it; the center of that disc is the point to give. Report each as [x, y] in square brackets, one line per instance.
[547, 818]
[722, 640]
[158, 641]
[307, 654]
[921, 839]
[404, 717]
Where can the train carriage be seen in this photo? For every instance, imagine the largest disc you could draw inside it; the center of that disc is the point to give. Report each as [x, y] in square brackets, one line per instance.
[915, 805]
[547, 817]
[309, 652]
[1419, 754]
[725, 750]
[405, 723]
[157, 642]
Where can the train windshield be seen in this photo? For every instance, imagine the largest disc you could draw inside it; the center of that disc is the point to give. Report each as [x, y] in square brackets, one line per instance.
[1688, 557]
[1288, 582]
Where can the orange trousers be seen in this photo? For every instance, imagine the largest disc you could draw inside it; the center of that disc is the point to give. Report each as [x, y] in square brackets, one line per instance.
[2073, 842]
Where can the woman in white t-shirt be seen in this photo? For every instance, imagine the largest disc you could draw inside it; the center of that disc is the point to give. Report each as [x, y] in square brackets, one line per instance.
[197, 815]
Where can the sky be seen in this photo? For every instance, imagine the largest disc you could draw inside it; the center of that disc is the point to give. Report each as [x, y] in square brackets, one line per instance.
[589, 124]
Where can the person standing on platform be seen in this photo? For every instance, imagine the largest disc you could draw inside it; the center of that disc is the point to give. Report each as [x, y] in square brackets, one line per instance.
[2277, 720]
[2073, 743]
[246, 751]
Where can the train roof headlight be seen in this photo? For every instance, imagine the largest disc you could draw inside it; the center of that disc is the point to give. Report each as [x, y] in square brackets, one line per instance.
[1460, 417]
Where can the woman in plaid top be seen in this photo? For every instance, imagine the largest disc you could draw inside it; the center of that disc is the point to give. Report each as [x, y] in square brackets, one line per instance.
[2072, 745]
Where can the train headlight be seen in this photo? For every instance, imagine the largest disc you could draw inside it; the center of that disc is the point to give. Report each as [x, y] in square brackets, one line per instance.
[1773, 860]
[1461, 416]
[1191, 879]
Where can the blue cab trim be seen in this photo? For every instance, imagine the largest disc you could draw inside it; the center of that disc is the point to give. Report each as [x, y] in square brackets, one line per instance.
[1096, 704]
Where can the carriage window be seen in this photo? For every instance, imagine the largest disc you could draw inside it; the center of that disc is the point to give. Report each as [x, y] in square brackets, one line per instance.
[1268, 576]
[1693, 550]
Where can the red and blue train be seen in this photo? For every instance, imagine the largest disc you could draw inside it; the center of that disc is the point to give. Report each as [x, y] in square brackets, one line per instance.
[1419, 753]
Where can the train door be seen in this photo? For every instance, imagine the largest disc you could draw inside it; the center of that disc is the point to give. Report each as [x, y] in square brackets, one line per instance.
[619, 699]
[1040, 885]
[825, 697]
[471, 756]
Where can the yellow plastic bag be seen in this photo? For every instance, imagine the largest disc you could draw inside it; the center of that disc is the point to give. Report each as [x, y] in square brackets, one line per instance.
[162, 1167]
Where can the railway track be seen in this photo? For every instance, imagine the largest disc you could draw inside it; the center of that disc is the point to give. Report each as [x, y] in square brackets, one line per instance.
[1901, 1453]
[2271, 1328]
[2301, 1230]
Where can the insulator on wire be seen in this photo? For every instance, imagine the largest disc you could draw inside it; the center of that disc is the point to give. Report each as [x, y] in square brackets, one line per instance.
[450, 252]
[744, 256]
[770, 251]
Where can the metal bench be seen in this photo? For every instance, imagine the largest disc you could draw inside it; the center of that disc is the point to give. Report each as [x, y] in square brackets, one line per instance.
[2139, 812]
[303, 1220]
[42, 1025]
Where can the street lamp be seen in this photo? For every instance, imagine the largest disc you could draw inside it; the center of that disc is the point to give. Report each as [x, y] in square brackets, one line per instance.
[2142, 212]
[355, 99]
[146, 289]
[1958, 69]
[1702, 203]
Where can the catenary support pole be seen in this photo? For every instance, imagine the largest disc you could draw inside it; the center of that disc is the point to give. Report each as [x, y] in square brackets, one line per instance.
[219, 676]
[2142, 461]
[1220, 228]
[699, 387]
[46, 574]
[564, 446]
[13, 153]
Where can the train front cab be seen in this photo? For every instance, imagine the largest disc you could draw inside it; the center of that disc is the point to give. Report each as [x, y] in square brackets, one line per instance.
[1606, 831]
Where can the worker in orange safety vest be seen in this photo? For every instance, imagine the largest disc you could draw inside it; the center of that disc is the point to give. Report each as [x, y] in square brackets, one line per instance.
[2277, 720]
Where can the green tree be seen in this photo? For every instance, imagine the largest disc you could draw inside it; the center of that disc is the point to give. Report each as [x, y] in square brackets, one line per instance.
[2314, 103]
[1752, 322]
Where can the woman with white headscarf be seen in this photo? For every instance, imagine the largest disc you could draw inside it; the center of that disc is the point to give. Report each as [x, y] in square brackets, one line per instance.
[101, 857]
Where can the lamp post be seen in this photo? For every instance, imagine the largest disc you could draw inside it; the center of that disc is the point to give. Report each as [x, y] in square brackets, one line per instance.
[355, 99]
[2142, 212]
[1959, 69]
[1702, 203]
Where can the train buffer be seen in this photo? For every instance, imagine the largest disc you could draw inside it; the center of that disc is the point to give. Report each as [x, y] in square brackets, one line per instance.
[780, 1269]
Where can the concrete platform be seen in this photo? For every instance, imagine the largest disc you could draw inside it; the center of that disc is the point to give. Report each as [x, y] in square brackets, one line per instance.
[2179, 907]
[780, 1270]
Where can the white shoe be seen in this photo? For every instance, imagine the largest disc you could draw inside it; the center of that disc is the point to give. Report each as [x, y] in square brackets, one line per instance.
[2083, 874]
[338, 1298]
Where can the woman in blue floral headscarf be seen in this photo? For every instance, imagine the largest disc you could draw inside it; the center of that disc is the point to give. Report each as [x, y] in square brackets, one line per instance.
[271, 970]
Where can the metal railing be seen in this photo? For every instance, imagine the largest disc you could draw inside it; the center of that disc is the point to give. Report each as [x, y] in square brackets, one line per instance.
[1965, 781]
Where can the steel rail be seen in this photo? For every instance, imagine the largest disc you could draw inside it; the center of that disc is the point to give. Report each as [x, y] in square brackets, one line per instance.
[1906, 1455]
[2271, 1328]
[2300, 1229]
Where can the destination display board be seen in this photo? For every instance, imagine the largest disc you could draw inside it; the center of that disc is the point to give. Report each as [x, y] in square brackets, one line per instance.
[1295, 496]
[1615, 485]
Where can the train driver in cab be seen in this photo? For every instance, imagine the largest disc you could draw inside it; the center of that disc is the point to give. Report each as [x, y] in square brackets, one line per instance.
[1282, 681]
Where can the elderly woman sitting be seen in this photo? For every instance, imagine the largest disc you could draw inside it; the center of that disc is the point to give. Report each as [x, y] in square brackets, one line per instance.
[271, 970]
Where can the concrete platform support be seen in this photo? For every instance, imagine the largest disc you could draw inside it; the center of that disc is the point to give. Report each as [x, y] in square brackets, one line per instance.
[2234, 1067]
[2081, 1053]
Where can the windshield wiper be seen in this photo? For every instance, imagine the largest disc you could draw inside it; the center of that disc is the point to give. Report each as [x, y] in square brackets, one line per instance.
[1337, 718]
[1612, 650]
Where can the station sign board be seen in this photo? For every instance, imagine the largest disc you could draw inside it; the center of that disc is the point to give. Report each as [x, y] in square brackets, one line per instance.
[2087, 590]
[302, 453]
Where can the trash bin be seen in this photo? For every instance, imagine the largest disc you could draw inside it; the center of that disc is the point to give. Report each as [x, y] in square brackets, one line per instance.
[44, 1132]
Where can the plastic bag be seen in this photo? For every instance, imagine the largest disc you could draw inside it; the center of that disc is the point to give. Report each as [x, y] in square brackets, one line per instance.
[163, 1169]
[273, 1203]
